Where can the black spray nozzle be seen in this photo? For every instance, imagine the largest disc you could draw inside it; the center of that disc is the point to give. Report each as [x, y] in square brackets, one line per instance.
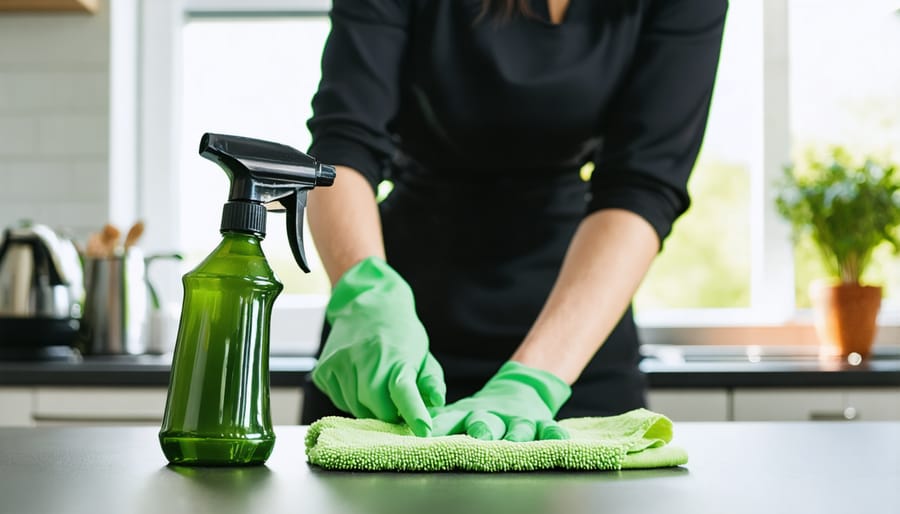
[262, 172]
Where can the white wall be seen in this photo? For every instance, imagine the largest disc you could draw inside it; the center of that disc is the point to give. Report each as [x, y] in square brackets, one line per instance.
[54, 119]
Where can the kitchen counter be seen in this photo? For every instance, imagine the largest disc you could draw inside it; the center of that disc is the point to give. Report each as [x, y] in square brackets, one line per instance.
[129, 370]
[734, 467]
[718, 367]
[762, 366]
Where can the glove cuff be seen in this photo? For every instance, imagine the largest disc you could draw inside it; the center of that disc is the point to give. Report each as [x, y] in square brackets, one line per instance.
[552, 389]
[371, 285]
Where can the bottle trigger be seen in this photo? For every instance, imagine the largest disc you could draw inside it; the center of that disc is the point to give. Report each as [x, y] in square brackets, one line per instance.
[294, 205]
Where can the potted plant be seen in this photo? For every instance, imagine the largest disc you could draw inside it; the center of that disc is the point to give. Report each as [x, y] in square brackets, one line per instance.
[849, 208]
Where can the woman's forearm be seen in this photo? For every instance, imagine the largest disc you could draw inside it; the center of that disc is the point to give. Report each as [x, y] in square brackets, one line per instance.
[606, 261]
[344, 222]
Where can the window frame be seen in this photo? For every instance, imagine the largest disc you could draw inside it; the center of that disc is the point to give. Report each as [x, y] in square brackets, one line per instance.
[151, 89]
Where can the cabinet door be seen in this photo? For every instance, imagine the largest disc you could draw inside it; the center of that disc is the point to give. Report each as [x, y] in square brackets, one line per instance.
[874, 404]
[132, 405]
[15, 406]
[789, 405]
[285, 405]
[690, 404]
[99, 405]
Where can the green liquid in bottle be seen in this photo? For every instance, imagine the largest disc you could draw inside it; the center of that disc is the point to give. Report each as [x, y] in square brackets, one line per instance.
[217, 412]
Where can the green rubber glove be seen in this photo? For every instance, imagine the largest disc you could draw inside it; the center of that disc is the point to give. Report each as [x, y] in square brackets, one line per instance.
[375, 362]
[517, 404]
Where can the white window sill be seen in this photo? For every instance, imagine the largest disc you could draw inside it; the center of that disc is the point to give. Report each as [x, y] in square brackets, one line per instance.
[297, 324]
[743, 327]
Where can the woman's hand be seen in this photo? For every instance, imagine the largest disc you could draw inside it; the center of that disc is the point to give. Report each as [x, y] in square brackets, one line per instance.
[517, 404]
[375, 362]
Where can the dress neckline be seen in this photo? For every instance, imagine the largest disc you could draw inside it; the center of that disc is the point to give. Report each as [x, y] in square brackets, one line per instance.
[541, 10]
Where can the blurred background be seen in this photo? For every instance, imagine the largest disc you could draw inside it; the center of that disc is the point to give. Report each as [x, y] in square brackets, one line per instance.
[103, 103]
[100, 116]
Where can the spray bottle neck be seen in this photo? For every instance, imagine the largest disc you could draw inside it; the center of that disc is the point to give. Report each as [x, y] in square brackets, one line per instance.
[245, 218]
[239, 244]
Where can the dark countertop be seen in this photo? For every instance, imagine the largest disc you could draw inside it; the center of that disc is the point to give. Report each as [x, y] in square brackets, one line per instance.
[129, 370]
[716, 367]
[766, 366]
[700, 375]
[734, 467]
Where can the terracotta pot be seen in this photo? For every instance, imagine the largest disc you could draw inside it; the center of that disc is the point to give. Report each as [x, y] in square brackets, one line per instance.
[845, 317]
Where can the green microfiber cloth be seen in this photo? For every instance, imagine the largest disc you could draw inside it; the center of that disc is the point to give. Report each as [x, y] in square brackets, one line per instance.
[636, 439]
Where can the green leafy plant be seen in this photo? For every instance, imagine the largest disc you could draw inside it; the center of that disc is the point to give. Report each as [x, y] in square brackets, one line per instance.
[847, 206]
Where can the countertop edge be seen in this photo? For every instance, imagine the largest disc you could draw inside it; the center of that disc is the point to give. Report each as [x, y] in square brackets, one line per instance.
[292, 371]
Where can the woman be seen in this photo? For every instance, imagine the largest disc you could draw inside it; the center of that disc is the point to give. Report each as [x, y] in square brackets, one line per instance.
[507, 283]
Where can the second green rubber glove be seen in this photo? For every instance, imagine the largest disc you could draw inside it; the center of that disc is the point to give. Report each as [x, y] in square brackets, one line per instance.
[375, 362]
[517, 404]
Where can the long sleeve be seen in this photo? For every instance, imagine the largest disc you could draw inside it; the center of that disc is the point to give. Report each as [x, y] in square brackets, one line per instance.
[657, 118]
[360, 87]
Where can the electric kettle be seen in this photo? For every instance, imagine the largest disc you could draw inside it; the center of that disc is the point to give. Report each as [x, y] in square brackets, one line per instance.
[41, 290]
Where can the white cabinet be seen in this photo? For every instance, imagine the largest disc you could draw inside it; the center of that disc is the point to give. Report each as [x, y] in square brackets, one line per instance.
[85, 405]
[690, 404]
[874, 404]
[832, 404]
[285, 403]
[15, 406]
[777, 404]
[786, 404]
[41, 406]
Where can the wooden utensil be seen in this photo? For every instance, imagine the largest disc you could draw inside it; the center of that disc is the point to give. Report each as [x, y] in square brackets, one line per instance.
[134, 233]
[110, 238]
[95, 248]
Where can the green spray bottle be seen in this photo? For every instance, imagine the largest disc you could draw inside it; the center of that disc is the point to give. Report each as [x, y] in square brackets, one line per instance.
[217, 411]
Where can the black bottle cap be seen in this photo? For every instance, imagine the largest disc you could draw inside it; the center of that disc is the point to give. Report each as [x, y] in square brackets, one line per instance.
[244, 217]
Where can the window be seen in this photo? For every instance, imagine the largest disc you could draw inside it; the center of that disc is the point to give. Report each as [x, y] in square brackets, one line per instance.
[793, 73]
[706, 262]
[845, 91]
[240, 93]
[209, 65]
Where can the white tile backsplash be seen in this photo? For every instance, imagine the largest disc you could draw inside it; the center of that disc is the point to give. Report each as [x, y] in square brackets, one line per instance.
[72, 210]
[48, 180]
[85, 183]
[18, 137]
[55, 41]
[54, 119]
[54, 92]
[73, 135]
[7, 87]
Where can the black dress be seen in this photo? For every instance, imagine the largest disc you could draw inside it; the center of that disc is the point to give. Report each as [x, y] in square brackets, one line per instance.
[482, 125]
